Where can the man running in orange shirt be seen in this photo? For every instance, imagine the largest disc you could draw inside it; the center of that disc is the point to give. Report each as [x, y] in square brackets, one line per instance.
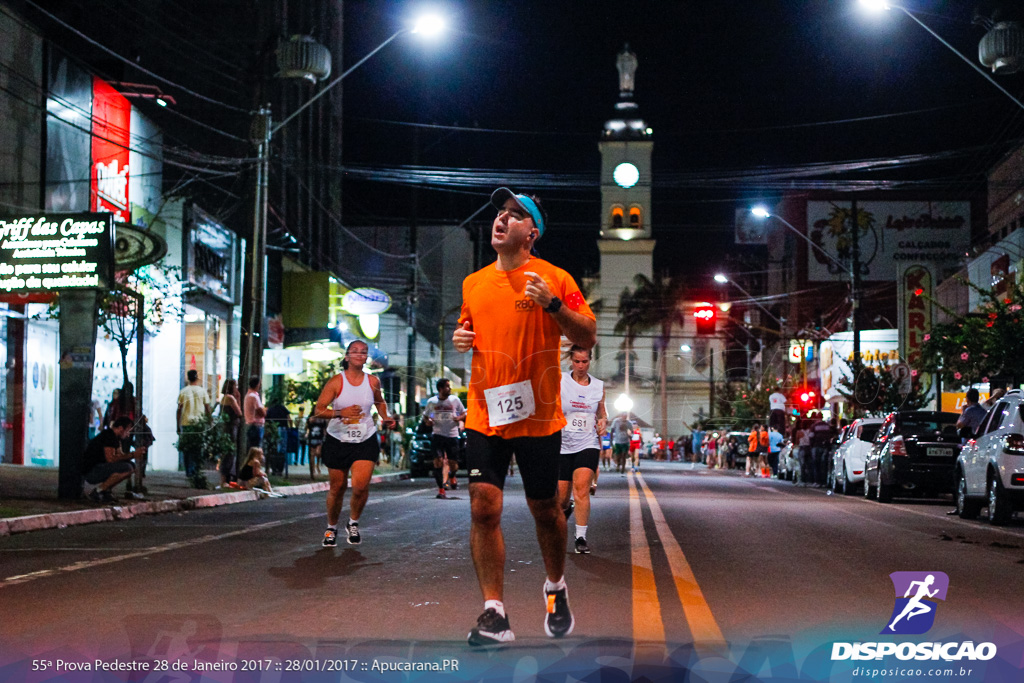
[514, 313]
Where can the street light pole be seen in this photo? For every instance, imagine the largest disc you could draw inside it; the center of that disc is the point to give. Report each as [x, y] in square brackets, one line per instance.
[255, 299]
[855, 281]
[878, 5]
[262, 133]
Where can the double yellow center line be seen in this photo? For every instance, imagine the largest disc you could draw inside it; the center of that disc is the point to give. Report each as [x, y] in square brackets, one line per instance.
[648, 626]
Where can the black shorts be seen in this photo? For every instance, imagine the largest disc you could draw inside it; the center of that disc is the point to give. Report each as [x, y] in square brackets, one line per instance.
[568, 463]
[101, 472]
[445, 446]
[340, 456]
[488, 459]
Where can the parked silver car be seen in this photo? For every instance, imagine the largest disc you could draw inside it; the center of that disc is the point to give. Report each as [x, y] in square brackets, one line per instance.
[848, 460]
[990, 469]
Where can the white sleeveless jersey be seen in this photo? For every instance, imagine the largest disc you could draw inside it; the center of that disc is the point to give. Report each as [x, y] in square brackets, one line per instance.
[580, 404]
[362, 396]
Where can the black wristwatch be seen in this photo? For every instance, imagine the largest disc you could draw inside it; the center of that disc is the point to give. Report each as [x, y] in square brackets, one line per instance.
[555, 306]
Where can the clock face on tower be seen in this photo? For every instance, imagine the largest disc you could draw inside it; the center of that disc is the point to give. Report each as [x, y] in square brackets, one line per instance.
[626, 175]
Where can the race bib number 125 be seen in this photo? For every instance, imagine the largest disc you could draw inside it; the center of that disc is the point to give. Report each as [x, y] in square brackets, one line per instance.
[509, 403]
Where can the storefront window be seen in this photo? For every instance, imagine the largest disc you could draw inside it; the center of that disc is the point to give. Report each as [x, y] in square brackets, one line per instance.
[41, 385]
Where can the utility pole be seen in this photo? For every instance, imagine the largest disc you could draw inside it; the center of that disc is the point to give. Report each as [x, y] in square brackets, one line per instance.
[711, 380]
[855, 282]
[255, 289]
[410, 365]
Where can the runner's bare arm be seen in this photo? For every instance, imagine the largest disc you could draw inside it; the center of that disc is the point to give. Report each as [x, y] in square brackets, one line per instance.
[579, 329]
[602, 417]
[379, 402]
[330, 392]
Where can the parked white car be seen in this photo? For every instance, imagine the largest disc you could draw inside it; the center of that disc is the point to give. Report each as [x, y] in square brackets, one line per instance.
[990, 469]
[789, 461]
[848, 460]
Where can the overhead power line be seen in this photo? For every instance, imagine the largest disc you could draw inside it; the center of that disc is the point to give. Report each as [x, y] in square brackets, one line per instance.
[137, 66]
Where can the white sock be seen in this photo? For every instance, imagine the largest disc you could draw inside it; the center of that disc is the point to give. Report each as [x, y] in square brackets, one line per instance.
[556, 586]
[353, 522]
[497, 605]
[332, 527]
[581, 532]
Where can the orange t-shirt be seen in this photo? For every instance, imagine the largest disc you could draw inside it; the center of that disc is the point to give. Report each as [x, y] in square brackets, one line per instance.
[764, 438]
[752, 442]
[517, 341]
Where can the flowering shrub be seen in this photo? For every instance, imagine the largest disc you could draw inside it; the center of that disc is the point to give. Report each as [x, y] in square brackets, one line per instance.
[988, 342]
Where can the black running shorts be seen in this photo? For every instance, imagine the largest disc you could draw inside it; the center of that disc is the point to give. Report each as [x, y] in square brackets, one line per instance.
[340, 456]
[445, 446]
[488, 459]
[568, 463]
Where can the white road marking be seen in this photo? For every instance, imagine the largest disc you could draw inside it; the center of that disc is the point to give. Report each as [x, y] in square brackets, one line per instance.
[178, 545]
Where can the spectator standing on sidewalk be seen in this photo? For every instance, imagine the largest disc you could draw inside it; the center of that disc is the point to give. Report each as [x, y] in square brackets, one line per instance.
[803, 439]
[193, 404]
[300, 428]
[231, 422]
[970, 417]
[753, 439]
[821, 435]
[255, 415]
[775, 440]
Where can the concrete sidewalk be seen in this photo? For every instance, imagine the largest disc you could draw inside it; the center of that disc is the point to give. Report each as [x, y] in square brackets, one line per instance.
[28, 496]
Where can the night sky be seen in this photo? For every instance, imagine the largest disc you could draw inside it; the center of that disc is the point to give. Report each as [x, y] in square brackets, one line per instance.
[732, 88]
[728, 85]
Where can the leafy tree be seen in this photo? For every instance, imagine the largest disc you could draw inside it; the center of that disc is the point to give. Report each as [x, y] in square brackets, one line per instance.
[157, 288]
[987, 343]
[653, 305]
[873, 390]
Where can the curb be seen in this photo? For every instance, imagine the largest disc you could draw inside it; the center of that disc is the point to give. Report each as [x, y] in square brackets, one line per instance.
[60, 520]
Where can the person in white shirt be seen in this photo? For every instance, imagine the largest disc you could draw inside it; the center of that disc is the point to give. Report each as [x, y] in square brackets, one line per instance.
[445, 414]
[586, 421]
[777, 411]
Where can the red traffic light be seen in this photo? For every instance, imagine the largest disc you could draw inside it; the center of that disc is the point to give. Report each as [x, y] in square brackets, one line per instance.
[706, 317]
[807, 396]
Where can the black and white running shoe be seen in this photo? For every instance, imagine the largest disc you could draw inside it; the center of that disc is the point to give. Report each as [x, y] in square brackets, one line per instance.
[353, 533]
[581, 547]
[330, 538]
[558, 621]
[491, 629]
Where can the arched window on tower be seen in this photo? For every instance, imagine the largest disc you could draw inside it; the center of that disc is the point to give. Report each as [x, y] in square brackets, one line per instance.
[617, 217]
[636, 220]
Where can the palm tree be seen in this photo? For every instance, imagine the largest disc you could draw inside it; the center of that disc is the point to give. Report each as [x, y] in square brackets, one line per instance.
[652, 305]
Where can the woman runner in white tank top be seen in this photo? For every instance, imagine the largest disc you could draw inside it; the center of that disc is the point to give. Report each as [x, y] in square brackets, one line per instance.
[351, 440]
[586, 421]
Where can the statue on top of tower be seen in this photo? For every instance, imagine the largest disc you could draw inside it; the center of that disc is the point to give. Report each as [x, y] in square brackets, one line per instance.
[626, 64]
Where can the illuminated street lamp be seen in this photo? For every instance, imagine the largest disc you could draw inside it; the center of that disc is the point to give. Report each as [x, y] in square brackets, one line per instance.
[882, 5]
[722, 279]
[623, 403]
[263, 132]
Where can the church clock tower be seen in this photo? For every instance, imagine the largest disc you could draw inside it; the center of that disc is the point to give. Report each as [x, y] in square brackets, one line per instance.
[625, 236]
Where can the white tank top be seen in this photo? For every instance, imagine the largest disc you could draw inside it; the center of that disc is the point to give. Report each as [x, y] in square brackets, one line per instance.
[580, 404]
[362, 396]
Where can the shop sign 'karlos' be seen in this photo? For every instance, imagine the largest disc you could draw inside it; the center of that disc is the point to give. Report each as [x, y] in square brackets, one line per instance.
[56, 252]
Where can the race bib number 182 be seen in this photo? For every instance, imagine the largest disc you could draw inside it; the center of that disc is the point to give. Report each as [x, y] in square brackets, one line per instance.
[509, 403]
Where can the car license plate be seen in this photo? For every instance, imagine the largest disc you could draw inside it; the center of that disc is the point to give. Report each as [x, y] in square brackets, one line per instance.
[932, 450]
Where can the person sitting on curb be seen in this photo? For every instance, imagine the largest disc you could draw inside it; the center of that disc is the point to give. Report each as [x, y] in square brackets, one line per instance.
[252, 476]
[105, 464]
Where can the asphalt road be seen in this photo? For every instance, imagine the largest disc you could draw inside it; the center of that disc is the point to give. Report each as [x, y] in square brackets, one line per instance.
[706, 571]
